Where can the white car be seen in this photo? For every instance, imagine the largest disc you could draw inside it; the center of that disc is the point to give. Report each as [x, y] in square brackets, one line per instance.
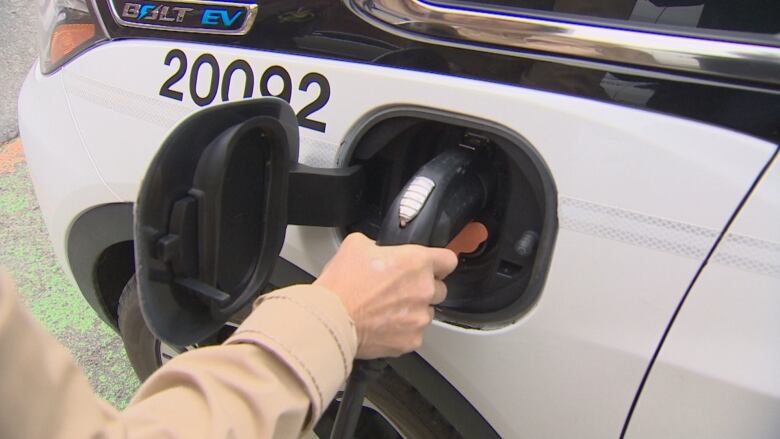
[630, 283]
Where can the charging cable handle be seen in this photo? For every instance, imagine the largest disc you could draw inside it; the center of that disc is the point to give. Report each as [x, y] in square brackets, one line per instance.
[444, 195]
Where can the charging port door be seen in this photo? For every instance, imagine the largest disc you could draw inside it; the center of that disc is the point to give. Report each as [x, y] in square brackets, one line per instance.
[211, 216]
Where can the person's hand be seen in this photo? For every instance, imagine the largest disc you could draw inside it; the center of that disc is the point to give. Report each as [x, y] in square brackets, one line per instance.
[388, 291]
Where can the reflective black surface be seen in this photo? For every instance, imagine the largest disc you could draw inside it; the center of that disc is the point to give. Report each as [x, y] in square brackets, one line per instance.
[752, 16]
[327, 29]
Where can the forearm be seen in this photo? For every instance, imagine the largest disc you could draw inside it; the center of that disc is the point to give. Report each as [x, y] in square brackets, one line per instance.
[235, 391]
[43, 393]
[272, 378]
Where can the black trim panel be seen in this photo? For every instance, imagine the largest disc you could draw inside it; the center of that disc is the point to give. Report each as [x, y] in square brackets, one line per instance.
[481, 29]
[741, 27]
[92, 233]
[327, 29]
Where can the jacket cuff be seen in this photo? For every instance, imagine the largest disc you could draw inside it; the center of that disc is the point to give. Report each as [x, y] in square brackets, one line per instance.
[309, 330]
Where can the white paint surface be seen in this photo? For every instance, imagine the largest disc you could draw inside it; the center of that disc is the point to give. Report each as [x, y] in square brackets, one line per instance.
[718, 374]
[568, 368]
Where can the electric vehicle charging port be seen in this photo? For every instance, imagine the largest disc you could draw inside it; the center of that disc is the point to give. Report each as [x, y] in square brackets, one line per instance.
[499, 281]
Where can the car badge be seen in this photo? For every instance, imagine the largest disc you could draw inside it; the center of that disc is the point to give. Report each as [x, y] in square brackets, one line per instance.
[199, 16]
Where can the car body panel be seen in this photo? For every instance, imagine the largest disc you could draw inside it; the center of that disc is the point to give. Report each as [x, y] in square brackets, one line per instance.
[642, 200]
[717, 372]
[63, 173]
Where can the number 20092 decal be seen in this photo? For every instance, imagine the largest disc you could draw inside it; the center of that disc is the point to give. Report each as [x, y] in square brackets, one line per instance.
[225, 79]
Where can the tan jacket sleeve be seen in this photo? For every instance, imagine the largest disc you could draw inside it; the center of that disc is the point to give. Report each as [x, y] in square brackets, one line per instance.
[272, 378]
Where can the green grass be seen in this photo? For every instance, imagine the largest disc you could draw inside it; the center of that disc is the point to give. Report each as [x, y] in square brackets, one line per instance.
[26, 253]
[12, 203]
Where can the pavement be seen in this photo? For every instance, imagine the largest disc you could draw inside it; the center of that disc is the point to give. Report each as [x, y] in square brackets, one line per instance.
[25, 249]
[18, 48]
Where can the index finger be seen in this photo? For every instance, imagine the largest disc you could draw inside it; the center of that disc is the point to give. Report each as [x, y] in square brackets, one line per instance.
[444, 262]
